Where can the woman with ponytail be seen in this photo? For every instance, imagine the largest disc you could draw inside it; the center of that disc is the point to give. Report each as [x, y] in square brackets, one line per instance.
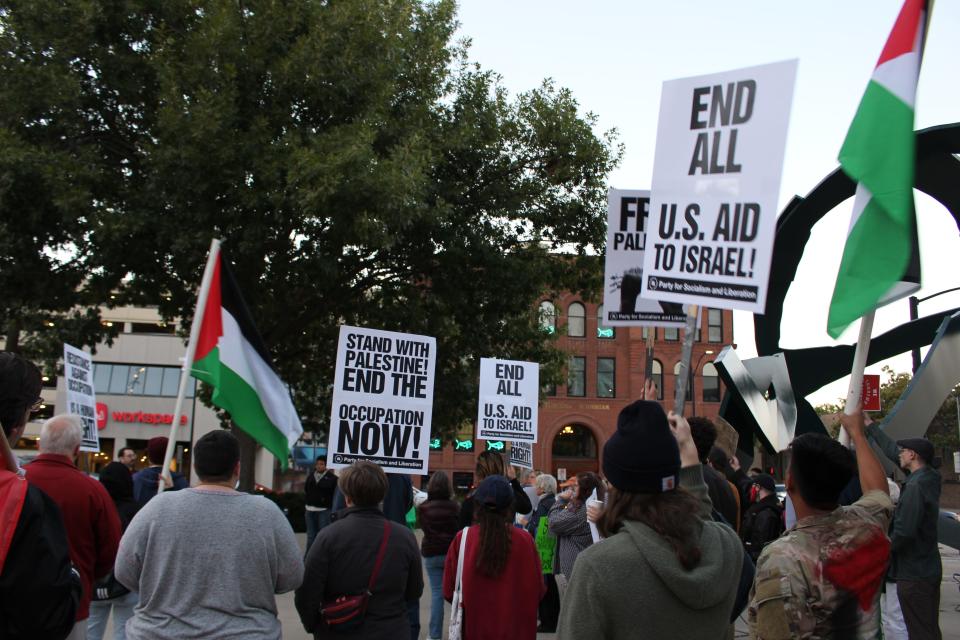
[665, 569]
[501, 569]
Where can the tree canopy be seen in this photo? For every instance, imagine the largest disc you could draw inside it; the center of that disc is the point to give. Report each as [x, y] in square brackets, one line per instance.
[359, 167]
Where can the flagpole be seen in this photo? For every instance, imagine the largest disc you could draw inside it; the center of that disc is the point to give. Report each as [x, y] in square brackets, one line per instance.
[686, 355]
[856, 374]
[188, 358]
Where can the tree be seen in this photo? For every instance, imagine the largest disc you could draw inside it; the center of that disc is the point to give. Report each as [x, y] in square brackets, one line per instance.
[360, 169]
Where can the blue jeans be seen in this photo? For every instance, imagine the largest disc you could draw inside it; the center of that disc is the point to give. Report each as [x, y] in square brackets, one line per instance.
[100, 611]
[316, 520]
[434, 565]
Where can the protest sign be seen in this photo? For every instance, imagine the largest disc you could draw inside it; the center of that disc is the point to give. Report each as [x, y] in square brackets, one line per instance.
[509, 397]
[870, 393]
[382, 400]
[627, 215]
[81, 397]
[716, 180]
[521, 455]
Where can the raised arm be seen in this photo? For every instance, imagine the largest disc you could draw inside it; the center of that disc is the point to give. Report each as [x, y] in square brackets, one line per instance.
[691, 471]
[872, 477]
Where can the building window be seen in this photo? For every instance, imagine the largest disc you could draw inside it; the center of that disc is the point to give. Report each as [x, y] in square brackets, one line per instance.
[139, 380]
[606, 378]
[714, 325]
[676, 381]
[671, 334]
[606, 333]
[550, 390]
[577, 376]
[658, 378]
[576, 320]
[463, 441]
[548, 317]
[711, 383]
[646, 332]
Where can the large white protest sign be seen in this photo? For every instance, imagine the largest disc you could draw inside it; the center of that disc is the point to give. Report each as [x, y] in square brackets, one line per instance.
[509, 396]
[716, 180]
[521, 454]
[382, 400]
[81, 396]
[627, 216]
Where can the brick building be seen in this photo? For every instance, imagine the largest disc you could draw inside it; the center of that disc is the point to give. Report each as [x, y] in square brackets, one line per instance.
[605, 373]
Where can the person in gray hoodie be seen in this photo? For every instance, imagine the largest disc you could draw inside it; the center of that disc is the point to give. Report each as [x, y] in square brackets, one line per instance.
[665, 567]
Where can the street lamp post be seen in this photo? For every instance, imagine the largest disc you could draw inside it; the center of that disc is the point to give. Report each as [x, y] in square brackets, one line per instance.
[914, 314]
[693, 389]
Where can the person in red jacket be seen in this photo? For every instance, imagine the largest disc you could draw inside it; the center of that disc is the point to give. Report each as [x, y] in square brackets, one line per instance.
[501, 569]
[40, 589]
[93, 526]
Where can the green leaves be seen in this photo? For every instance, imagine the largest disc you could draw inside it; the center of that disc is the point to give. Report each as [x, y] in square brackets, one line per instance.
[358, 167]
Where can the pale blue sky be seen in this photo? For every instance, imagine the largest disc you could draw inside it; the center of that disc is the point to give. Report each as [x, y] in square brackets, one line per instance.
[614, 56]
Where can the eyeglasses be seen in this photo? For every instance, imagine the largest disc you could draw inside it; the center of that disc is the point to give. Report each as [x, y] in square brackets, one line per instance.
[37, 405]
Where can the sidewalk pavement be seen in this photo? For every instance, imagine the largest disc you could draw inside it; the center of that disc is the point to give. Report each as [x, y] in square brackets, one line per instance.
[949, 604]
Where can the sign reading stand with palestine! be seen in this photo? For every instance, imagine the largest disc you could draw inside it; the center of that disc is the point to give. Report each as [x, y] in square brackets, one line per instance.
[382, 400]
[81, 396]
[509, 397]
[716, 180]
[627, 217]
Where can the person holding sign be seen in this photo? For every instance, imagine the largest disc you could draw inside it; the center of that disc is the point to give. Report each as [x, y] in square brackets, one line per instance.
[661, 542]
[491, 463]
[568, 522]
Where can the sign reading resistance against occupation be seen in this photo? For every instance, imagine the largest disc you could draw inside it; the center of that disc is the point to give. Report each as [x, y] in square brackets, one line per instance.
[382, 400]
[627, 216]
[521, 455]
[716, 180]
[81, 396]
[509, 396]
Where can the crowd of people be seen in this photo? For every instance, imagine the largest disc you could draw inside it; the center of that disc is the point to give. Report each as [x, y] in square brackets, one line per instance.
[676, 542]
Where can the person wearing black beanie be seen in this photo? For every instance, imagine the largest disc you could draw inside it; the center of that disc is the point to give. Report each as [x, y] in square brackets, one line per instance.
[660, 541]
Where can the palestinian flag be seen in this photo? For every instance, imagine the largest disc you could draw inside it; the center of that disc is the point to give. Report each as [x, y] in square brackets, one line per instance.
[231, 357]
[880, 262]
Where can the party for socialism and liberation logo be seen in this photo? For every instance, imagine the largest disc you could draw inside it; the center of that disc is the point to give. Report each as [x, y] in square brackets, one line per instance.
[142, 417]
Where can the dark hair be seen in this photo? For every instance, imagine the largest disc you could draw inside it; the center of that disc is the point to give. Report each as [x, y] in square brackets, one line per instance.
[364, 483]
[495, 539]
[116, 479]
[439, 486]
[704, 434]
[672, 514]
[216, 455]
[490, 463]
[122, 449]
[718, 458]
[20, 386]
[821, 467]
[587, 481]
[322, 459]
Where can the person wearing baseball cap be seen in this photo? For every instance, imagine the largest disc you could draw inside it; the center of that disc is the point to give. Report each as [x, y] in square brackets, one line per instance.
[763, 521]
[915, 565]
[501, 577]
[661, 541]
[147, 481]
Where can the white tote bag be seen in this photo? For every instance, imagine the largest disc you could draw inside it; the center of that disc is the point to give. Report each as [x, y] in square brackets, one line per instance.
[456, 612]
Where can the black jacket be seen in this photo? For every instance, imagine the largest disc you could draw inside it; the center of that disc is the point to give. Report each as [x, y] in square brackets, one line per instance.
[320, 493]
[721, 495]
[40, 589]
[521, 504]
[340, 562]
[762, 524]
[546, 502]
[439, 518]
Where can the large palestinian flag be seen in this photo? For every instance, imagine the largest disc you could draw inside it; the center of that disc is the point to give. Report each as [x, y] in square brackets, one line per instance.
[880, 261]
[231, 357]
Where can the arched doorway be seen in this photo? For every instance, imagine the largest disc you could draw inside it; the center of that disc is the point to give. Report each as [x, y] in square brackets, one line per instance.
[574, 449]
